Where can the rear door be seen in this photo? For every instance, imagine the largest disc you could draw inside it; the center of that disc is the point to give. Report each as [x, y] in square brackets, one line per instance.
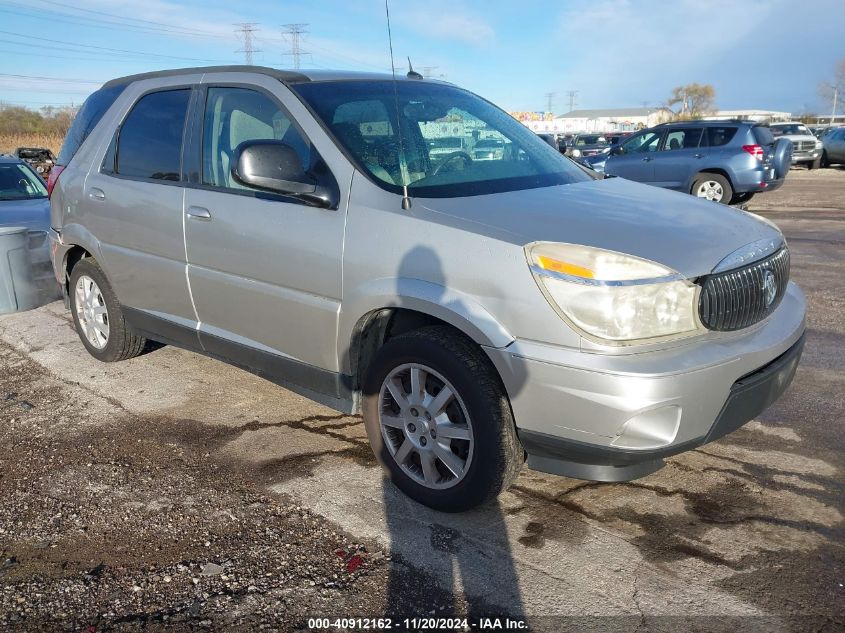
[836, 146]
[265, 270]
[634, 158]
[133, 205]
[679, 157]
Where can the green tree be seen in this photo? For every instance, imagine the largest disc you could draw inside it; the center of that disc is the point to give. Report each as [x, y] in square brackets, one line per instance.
[692, 101]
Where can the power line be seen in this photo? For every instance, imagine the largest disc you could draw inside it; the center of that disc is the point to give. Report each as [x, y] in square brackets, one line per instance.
[293, 33]
[101, 48]
[120, 17]
[246, 30]
[95, 23]
[59, 79]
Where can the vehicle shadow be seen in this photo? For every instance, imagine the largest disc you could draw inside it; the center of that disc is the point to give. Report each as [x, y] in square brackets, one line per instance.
[446, 565]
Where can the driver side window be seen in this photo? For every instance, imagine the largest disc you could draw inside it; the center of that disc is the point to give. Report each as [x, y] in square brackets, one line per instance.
[642, 143]
[236, 115]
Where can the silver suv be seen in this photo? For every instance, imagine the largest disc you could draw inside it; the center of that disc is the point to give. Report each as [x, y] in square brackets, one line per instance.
[476, 311]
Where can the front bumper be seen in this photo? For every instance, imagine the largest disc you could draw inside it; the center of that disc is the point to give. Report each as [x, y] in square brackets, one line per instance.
[806, 156]
[614, 417]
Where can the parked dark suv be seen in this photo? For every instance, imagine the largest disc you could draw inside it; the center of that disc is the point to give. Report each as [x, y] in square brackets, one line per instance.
[723, 161]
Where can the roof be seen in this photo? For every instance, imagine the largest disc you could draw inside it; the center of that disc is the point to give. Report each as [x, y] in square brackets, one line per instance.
[8, 158]
[285, 76]
[609, 112]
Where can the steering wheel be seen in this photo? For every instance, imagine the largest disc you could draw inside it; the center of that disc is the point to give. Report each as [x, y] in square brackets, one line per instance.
[450, 157]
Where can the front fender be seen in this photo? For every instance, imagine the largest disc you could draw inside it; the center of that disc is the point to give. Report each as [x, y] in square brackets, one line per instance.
[452, 306]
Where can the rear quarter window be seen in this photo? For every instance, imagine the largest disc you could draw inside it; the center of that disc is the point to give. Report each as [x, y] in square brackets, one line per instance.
[86, 120]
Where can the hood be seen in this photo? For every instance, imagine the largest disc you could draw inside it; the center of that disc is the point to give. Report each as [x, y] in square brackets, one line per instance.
[33, 213]
[687, 234]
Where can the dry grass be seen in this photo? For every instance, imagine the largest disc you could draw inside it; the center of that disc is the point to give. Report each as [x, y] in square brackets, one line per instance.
[8, 142]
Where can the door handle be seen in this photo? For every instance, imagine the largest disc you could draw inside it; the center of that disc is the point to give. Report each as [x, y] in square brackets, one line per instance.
[96, 194]
[646, 159]
[698, 155]
[199, 213]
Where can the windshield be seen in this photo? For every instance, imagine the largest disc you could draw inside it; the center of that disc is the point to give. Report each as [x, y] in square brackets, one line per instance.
[794, 129]
[590, 140]
[496, 152]
[19, 182]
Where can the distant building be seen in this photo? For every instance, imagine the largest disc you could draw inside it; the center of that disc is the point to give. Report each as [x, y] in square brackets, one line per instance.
[751, 115]
[606, 120]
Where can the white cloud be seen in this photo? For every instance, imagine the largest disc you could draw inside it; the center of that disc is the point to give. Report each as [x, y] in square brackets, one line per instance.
[449, 23]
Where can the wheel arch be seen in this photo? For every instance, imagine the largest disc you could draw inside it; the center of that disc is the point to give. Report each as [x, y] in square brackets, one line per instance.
[711, 170]
[408, 311]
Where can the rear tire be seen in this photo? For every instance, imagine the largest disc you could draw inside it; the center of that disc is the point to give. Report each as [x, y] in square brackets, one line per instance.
[714, 187]
[420, 441]
[98, 316]
[742, 198]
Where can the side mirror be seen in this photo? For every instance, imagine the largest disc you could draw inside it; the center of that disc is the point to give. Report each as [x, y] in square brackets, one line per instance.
[616, 150]
[274, 166]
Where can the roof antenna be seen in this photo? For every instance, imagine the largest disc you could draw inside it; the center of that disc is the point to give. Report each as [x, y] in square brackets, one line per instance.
[406, 199]
[412, 74]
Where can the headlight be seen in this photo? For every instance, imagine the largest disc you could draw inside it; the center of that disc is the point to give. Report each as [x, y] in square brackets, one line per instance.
[615, 298]
[576, 153]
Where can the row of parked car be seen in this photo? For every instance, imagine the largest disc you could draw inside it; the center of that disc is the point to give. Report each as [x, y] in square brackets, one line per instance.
[722, 161]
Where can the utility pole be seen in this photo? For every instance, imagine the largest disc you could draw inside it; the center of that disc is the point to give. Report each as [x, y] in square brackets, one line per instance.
[571, 94]
[293, 33]
[246, 30]
[833, 112]
[550, 96]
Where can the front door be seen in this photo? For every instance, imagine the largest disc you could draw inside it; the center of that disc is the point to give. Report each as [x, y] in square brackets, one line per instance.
[633, 159]
[679, 158]
[265, 270]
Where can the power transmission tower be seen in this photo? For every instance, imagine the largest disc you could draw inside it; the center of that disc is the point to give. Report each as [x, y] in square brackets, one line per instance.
[427, 71]
[550, 96]
[293, 33]
[572, 94]
[246, 30]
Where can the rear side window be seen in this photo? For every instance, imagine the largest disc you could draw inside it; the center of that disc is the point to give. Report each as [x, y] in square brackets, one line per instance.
[150, 140]
[718, 136]
[86, 120]
[763, 136]
[684, 138]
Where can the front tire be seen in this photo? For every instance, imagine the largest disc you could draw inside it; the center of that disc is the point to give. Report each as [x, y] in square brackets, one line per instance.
[815, 164]
[98, 316]
[439, 420]
[825, 160]
[713, 187]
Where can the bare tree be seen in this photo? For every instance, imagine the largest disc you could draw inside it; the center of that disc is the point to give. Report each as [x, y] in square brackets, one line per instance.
[692, 101]
[833, 91]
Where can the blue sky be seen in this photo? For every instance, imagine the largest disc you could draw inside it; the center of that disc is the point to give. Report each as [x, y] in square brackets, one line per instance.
[768, 54]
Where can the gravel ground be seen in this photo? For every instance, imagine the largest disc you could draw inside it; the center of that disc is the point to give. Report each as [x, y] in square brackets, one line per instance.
[121, 526]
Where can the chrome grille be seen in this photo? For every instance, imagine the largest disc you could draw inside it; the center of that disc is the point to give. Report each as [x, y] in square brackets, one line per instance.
[738, 298]
[805, 146]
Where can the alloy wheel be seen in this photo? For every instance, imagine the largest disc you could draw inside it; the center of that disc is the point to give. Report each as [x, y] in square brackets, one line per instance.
[710, 190]
[425, 426]
[91, 312]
